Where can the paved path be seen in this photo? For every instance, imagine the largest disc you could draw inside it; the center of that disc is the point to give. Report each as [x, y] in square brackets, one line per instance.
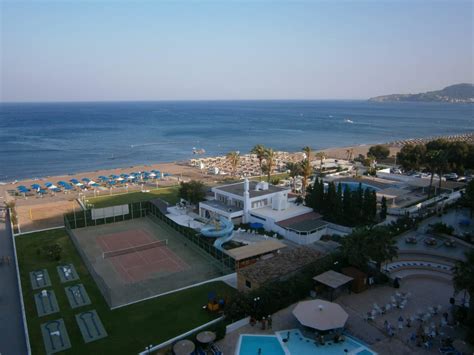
[12, 336]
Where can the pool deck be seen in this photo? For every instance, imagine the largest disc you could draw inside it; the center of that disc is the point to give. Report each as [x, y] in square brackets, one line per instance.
[425, 293]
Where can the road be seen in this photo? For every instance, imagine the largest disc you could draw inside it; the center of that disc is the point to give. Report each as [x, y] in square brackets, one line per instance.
[12, 336]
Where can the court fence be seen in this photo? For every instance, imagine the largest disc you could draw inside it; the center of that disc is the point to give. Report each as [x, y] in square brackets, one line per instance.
[155, 210]
[100, 282]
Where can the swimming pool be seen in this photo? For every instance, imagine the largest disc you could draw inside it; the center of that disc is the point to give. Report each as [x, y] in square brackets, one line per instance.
[352, 185]
[268, 344]
[297, 345]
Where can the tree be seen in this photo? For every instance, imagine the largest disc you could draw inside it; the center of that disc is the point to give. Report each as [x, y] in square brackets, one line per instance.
[306, 171]
[468, 196]
[234, 160]
[193, 191]
[294, 170]
[378, 152]
[259, 151]
[382, 246]
[411, 156]
[269, 162]
[431, 163]
[366, 244]
[321, 156]
[355, 248]
[463, 279]
[383, 208]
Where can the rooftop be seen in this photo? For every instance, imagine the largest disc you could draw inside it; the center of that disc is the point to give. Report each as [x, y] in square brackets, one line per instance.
[221, 206]
[286, 262]
[292, 210]
[238, 189]
[332, 279]
[256, 249]
[304, 223]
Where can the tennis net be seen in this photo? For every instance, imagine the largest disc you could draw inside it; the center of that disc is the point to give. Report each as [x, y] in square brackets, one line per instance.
[156, 244]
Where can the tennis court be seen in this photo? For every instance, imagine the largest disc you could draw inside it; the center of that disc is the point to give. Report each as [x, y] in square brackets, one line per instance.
[136, 256]
[143, 257]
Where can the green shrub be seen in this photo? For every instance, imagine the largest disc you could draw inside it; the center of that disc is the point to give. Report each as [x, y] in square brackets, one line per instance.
[441, 228]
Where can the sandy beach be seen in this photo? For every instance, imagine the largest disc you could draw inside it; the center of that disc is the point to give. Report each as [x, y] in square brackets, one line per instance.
[183, 170]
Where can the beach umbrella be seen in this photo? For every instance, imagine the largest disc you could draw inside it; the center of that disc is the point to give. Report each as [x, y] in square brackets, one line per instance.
[152, 175]
[91, 182]
[48, 184]
[320, 314]
[114, 176]
[104, 178]
[86, 180]
[74, 181]
[120, 179]
[36, 187]
[23, 189]
[51, 187]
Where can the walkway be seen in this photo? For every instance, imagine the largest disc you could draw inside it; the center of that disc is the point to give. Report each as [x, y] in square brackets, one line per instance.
[12, 336]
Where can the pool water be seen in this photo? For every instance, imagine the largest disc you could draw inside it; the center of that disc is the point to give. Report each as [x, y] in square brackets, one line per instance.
[297, 345]
[250, 345]
[355, 185]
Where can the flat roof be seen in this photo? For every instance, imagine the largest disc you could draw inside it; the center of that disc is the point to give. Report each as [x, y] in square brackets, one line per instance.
[450, 185]
[238, 189]
[256, 249]
[221, 206]
[282, 264]
[332, 279]
[304, 223]
[292, 210]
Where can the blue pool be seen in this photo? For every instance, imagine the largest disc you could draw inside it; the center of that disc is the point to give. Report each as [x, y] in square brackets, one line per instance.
[355, 185]
[297, 345]
[250, 344]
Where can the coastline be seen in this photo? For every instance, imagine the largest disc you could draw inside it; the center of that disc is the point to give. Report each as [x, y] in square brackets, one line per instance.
[183, 170]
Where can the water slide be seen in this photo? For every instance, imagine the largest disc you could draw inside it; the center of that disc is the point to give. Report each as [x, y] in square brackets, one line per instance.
[223, 231]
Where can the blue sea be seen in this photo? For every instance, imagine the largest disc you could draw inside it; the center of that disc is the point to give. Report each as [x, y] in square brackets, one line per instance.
[44, 139]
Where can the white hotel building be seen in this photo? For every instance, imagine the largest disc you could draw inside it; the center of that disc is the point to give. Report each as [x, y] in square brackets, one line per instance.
[270, 205]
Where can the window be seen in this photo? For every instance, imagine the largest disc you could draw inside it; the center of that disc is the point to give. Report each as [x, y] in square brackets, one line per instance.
[248, 284]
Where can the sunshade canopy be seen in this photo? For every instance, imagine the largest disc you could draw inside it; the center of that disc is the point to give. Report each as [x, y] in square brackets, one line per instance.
[320, 314]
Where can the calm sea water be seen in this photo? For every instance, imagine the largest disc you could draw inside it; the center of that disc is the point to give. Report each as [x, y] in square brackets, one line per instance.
[56, 138]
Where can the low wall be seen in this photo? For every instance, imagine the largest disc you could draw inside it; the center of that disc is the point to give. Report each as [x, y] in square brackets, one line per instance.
[236, 325]
[179, 337]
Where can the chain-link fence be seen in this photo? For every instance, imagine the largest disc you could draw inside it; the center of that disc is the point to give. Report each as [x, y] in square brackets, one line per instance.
[204, 260]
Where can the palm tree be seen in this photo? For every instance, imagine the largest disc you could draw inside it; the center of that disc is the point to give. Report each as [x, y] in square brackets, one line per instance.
[431, 163]
[234, 159]
[463, 279]
[270, 162]
[307, 150]
[259, 151]
[321, 156]
[306, 170]
[442, 165]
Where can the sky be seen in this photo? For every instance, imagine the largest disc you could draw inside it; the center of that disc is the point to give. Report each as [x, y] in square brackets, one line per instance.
[106, 50]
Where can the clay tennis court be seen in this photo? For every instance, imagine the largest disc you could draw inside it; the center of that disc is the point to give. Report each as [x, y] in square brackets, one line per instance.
[135, 275]
[136, 265]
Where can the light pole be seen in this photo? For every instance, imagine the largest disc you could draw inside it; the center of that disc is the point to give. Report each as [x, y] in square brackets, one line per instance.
[149, 348]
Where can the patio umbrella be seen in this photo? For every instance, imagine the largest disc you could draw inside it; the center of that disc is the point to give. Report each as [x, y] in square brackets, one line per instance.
[184, 347]
[206, 337]
[321, 315]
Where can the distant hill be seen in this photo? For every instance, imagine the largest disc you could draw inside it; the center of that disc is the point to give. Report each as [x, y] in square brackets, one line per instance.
[459, 93]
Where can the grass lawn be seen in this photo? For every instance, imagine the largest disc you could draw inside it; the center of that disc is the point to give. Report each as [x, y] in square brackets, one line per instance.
[169, 194]
[130, 328]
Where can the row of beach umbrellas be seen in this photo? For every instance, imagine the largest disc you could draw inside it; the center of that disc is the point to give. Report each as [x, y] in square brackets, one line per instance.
[86, 182]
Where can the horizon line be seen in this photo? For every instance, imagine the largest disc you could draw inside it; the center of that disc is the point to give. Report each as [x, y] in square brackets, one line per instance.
[168, 100]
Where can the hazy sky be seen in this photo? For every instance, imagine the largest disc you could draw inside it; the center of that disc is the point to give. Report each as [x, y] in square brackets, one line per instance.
[110, 50]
